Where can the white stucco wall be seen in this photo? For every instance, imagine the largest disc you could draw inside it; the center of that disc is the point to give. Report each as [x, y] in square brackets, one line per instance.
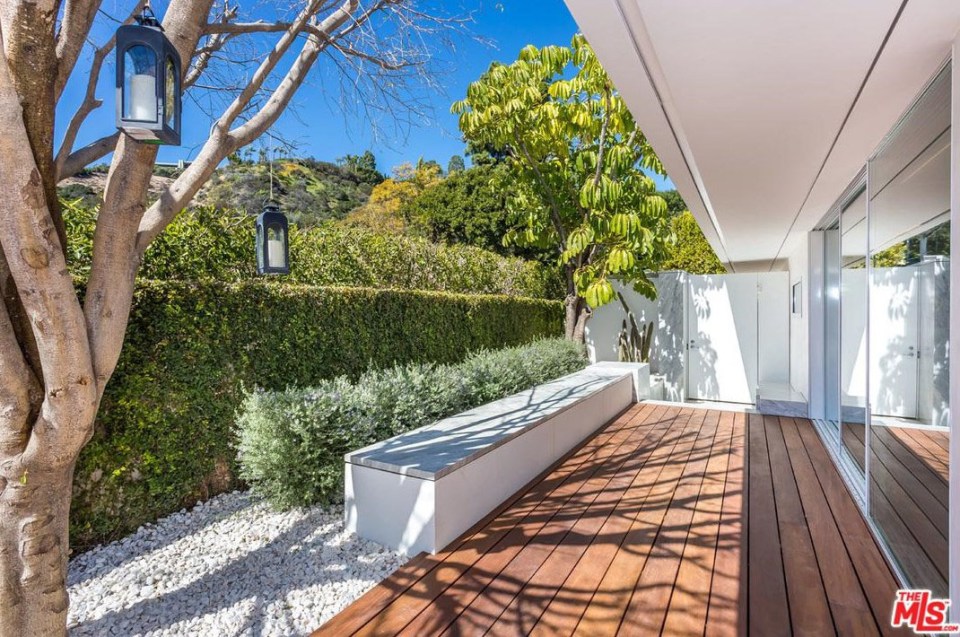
[798, 265]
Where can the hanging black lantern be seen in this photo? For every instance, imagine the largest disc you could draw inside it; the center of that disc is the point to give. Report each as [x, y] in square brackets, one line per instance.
[273, 244]
[148, 82]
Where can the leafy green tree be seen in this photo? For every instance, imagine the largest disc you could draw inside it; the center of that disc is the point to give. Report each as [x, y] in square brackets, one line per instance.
[577, 164]
[675, 203]
[468, 207]
[691, 252]
[455, 165]
[365, 166]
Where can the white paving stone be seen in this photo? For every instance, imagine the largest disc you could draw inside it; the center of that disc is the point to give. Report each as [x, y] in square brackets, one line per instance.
[230, 566]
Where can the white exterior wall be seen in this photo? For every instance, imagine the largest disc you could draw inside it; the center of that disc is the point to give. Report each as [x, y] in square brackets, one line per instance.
[798, 266]
[765, 360]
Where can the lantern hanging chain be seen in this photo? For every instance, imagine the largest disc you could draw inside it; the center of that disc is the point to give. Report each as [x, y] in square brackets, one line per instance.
[270, 164]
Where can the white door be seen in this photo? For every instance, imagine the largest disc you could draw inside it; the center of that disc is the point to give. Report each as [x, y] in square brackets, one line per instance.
[894, 341]
[722, 338]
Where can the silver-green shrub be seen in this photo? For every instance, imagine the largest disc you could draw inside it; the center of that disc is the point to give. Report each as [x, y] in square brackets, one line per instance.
[291, 443]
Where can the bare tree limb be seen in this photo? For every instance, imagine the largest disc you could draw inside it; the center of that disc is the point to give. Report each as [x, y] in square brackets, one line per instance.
[269, 63]
[90, 102]
[223, 141]
[85, 156]
[74, 30]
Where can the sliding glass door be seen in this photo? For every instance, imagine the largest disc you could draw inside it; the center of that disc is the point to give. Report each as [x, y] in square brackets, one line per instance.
[909, 321]
[886, 337]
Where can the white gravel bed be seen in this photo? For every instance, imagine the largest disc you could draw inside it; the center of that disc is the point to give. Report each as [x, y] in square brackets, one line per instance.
[230, 566]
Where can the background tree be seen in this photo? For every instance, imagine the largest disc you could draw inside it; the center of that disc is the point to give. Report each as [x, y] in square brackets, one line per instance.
[455, 165]
[577, 160]
[58, 350]
[383, 209]
[691, 252]
[469, 207]
[364, 166]
[675, 203]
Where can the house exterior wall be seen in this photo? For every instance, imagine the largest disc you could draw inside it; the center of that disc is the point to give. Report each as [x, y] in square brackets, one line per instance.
[798, 266]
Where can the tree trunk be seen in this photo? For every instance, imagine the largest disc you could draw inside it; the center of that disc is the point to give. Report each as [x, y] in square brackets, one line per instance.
[576, 314]
[576, 310]
[34, 514]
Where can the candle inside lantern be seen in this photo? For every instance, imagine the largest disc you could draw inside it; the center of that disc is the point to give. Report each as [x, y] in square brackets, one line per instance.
[275, 253]
[143, 97]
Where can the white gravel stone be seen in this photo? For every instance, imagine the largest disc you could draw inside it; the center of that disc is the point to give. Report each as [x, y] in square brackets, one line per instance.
[231, 566]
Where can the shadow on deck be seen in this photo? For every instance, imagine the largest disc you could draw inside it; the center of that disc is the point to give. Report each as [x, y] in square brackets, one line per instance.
[671, 520]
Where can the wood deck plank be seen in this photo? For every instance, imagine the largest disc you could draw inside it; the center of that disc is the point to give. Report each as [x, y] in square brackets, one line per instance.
[458, 596]
[769, 608]
[605, 613]
[727, 607]
[648, 606]
[848, 603]
[687, 613]
[874, 574]
[671, 520]
[516, 605]
[809, 611]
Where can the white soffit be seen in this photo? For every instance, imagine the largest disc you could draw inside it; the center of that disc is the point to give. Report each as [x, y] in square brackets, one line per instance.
[763, 111]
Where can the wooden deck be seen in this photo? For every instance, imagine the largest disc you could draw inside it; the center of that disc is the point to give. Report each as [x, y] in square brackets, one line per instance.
[909, 497]
[673, 521]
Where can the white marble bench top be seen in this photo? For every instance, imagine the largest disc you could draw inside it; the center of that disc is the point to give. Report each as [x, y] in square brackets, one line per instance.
[433, 451]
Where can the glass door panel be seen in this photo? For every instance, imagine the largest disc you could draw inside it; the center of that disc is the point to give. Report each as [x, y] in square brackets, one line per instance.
[909, 322]
[853, 330]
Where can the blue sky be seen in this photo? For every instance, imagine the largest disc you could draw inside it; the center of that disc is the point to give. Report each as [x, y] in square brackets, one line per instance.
[320, 128]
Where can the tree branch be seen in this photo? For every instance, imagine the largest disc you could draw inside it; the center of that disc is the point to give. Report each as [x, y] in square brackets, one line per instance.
[74, 30]
[90, 103]
[90, 153]
[222, 142]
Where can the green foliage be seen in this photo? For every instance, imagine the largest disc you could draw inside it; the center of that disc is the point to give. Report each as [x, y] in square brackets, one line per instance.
[675, 203]
[691, 251]
[309, 191]
[456, 165]
[365, 166]
[578, 163]
[207, 244]
[163, 435]
[468, 207]
[292, 442]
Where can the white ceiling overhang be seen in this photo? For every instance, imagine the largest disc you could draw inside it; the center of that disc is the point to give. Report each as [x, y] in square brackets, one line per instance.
[763, 111]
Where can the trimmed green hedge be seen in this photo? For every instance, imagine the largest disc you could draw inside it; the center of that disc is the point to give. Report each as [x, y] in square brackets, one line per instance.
[292, 442]
[210, 244]
[163, 438]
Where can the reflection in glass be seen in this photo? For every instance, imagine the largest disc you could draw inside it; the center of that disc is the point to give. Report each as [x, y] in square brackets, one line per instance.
[909, 312]
[853, 329]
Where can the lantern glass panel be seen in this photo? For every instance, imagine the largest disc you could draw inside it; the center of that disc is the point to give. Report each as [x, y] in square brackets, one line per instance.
[170, 88]
[276, 246]
[140, 84]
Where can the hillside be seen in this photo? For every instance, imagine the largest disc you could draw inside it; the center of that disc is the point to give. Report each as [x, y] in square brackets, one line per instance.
[308, 190]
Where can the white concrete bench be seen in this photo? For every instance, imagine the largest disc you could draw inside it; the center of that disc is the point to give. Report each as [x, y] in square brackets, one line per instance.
[421, 490]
